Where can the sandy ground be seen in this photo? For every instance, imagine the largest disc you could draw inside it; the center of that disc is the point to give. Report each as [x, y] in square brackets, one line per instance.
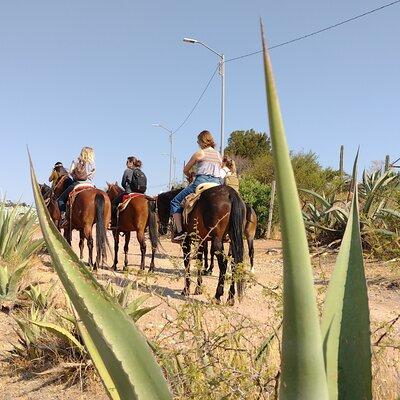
[261, 303]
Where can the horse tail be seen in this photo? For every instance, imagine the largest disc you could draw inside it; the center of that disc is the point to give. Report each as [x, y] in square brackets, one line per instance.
[152, 223]
[236, 225]
[101, 234]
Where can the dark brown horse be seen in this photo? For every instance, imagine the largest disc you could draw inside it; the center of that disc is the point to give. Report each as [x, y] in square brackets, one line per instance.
[249, 232]
[90, 206]
[219, 212]
[51, 203]
[137, 216]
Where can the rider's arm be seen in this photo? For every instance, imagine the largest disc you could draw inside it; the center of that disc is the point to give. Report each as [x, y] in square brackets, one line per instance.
[92, 170]
[193, 160]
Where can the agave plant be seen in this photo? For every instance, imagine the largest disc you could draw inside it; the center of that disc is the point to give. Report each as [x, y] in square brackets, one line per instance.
[17, 247]
[17, 229]
[10, 283]
[118, 350]
[339, 367]
[327, 216]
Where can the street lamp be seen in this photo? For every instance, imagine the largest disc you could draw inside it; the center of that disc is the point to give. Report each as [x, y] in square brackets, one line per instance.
[222, 74]
[170, 136]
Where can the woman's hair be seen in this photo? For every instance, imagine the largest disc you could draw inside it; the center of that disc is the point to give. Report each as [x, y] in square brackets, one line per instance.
[230, 164]
[87, 154]
[205, 139]
[136, 162]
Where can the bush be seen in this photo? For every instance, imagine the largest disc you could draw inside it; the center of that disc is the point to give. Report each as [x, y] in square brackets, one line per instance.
[258, 195]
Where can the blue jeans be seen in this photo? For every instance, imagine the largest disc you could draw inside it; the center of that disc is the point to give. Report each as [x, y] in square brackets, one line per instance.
[177, 200]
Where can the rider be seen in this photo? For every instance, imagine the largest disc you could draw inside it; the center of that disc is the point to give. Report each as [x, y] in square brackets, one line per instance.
[228, 173]
[82, 170]
[57, 172]
[208, 163]
[133, 181]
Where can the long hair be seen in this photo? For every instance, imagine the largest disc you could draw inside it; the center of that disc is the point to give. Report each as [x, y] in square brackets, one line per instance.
[230, 164]
[87, 154]
[205, 139]
[136, 162]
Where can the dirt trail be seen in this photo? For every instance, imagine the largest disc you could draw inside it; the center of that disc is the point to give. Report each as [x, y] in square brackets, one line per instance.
[261, 303]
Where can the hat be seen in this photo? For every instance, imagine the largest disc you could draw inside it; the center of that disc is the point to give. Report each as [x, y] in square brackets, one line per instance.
[58, 164]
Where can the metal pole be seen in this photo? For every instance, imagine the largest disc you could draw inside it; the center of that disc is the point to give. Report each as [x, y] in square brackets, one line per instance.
[170, 161]
[341, 165]
[387, 163]
[222, 73]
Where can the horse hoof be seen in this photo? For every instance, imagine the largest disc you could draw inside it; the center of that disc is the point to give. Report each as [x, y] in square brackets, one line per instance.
[198, 290]
[231, 302]
[216, 301]
[185, 292]
[152, 269]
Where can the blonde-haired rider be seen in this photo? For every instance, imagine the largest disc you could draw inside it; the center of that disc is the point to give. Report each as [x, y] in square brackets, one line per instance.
[208, 162]
[82, 169]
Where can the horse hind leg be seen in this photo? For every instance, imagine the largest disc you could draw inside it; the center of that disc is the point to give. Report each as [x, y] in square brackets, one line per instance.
[186, 260]
[81, 243]
[126, 248]
[116, 247]
[89, 240]
[199, 265]
[142, 242]
[222, 264]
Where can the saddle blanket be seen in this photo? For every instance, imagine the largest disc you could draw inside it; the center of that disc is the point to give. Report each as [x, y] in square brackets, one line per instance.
[80, 187]
[190, 200]
[126, 199]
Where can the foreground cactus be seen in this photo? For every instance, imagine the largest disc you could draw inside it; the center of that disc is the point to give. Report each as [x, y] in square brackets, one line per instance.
[345, 320]
[303, 373]
[120, 353]
[345, 323]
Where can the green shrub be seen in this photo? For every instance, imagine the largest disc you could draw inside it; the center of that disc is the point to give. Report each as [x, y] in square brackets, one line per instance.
[258, 195]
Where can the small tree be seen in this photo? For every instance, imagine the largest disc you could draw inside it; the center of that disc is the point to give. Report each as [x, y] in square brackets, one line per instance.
[248, 144]
[257, 194]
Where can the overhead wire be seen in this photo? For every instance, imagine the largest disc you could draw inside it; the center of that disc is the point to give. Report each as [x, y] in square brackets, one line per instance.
[317, 32]
[198, 100]
[340, 23]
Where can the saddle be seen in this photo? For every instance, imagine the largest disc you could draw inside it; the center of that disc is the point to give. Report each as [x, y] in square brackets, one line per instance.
[126, 200]
[80, 187]
[190, 200]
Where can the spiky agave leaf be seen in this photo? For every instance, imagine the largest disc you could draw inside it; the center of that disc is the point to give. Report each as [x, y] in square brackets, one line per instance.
[123, 350]
[345, 320]
[303, 374]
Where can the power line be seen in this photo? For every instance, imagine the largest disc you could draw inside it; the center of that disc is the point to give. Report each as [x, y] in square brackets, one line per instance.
[280, 45]
[198, 100]
[318, 31]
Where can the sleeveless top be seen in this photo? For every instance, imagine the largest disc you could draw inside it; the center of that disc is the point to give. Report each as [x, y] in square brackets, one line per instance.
[210, 164]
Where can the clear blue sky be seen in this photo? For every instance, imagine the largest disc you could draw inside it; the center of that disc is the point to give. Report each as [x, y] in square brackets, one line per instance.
[99, 73]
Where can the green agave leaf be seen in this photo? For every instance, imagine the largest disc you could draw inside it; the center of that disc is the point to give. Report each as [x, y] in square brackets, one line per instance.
[15, 278]
[98, 362]
[345, 320]
[4, 281]
[322, 199]
[303, 373]
[135, 304]
[135, 315]
[123, 350]
[60, 332]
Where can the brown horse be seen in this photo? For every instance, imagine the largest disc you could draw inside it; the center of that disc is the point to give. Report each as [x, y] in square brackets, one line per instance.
[51, 203]
[249, 232]
[218, 212]
[90, 206]
[137, 216]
